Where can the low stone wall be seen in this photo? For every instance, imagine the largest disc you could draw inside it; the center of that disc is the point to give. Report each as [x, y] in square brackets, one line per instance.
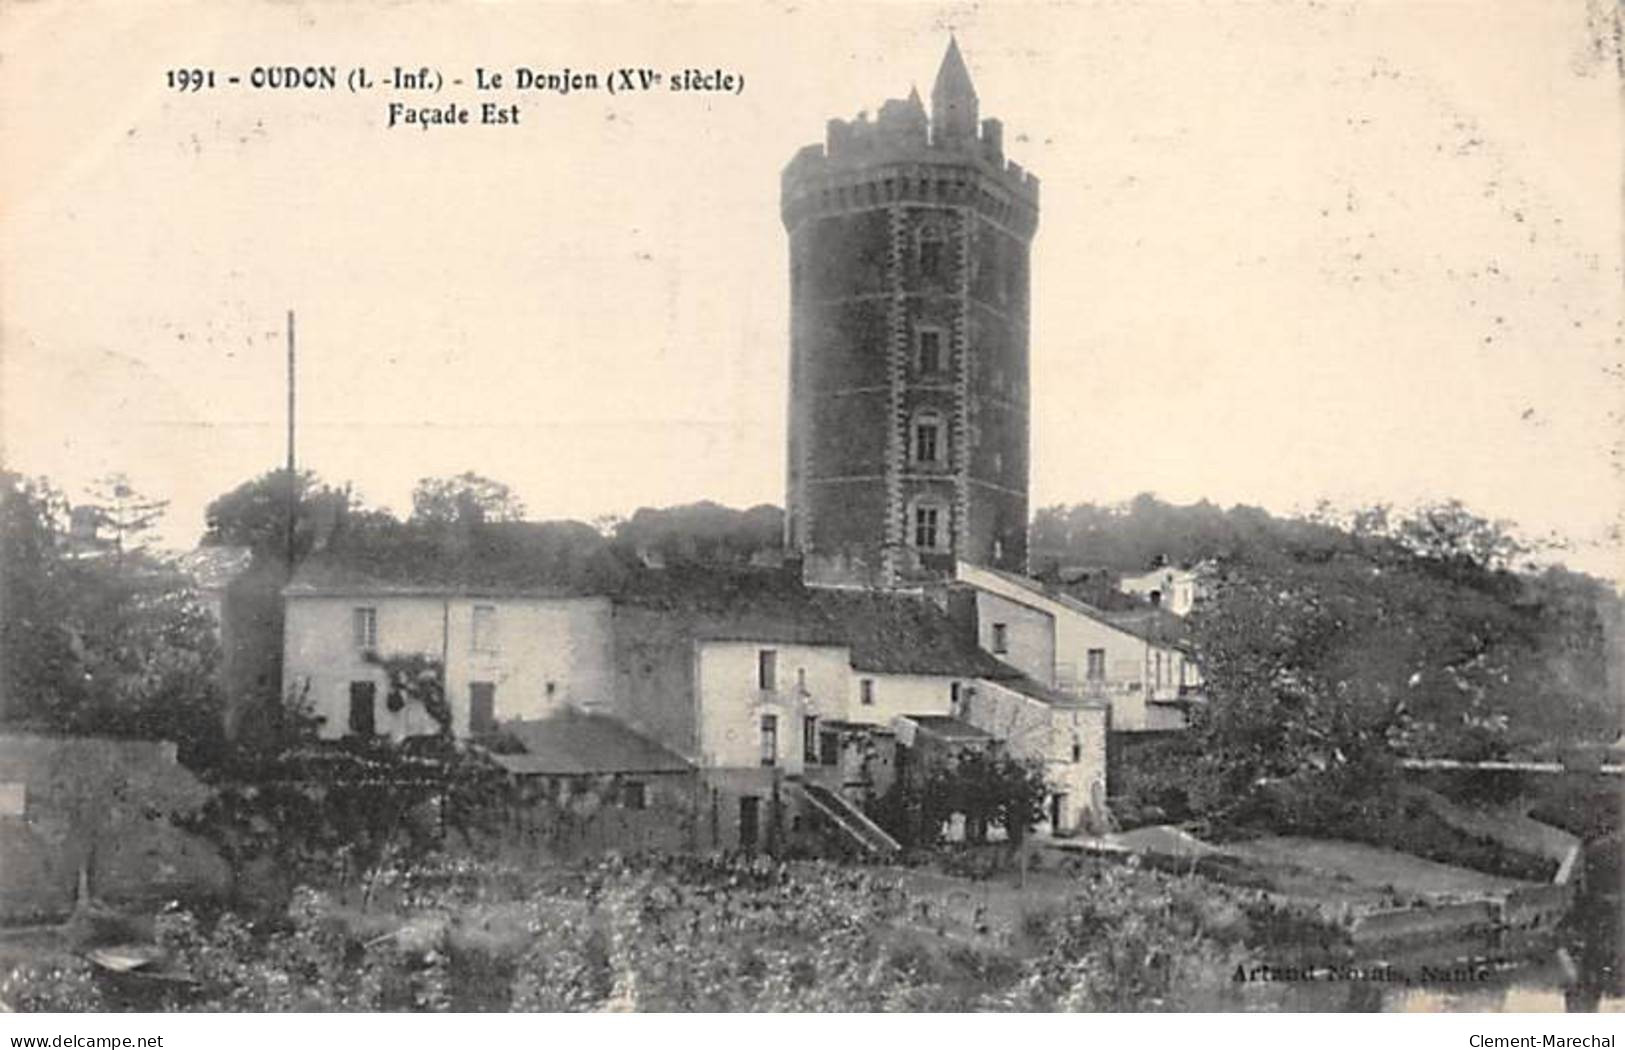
[1430, 920]
[101, 807]
[1537, 906]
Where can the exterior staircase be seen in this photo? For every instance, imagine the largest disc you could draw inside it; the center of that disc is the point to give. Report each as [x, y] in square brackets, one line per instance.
[848, 818]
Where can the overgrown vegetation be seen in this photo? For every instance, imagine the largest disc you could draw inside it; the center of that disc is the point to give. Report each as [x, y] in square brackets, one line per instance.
[1334, 646]
[683, 933]
[101, 637]
[340, 812]
[985, 787]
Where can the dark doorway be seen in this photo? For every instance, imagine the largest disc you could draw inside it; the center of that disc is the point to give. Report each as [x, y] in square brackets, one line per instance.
[363, 702]
[482, 708]
[1057, 811]
[750, 821]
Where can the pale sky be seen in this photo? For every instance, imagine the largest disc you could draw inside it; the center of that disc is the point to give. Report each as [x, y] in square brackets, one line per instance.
[1287, 251]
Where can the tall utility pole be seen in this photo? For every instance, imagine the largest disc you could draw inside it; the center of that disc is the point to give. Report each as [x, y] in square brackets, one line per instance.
[293, 480]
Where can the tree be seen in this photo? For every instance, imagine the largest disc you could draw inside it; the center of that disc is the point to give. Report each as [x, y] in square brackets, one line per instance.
[986, 786]
[465, 497]
[1132, 537]
[703, 533]
[131, 516]
[35, 648]
[94, 646]
[1327, 662]
[258, 513]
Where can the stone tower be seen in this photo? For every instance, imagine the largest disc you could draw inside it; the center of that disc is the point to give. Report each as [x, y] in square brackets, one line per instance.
[909, 242]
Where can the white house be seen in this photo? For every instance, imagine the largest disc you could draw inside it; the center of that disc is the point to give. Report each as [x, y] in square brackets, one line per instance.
[1167, 587]
[785, 700]
[506, 654]
[1066, 733]
[790, 699]
[1134, 661]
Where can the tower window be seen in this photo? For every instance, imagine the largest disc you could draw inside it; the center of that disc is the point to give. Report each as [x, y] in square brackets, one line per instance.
[928, 444]
[929, 356]
[933, 249]
[925, 441]
[927, 521]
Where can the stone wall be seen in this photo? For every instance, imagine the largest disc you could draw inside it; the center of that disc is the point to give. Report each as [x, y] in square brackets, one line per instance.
[102, 807]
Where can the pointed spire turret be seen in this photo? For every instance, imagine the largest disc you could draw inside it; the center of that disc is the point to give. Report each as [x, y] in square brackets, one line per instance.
[953, 100]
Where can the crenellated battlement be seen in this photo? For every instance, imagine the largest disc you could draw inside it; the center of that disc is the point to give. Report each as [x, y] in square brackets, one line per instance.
[867, 172]
[905, 155]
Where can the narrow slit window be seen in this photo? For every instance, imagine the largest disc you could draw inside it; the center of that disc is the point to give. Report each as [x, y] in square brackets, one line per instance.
[929, 357]
[933, 250]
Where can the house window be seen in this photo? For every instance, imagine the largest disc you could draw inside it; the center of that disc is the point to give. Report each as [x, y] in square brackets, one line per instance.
[927, 439]
[809, 741]
[364, 625]
[866, 692]
[1159, 678]
[485, 629]
[482, 707]
[953, 696]
[801, 681]
[1001, 641]
[829, 748]
[1077, 751]
[770, 740]
[933, 246]
[1096, 669]
[363, 708]
[767, 668]
[929, 356]
[926, 532]
[633, 795]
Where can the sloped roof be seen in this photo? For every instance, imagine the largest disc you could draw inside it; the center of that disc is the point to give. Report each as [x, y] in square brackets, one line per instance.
[1154, 625]
[951, 729]
[732, 604]
[904, 634]
[887, 633]
[1032, 687]
[952, 76]
[528, 559]
[1157, 626]
[574, 743]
